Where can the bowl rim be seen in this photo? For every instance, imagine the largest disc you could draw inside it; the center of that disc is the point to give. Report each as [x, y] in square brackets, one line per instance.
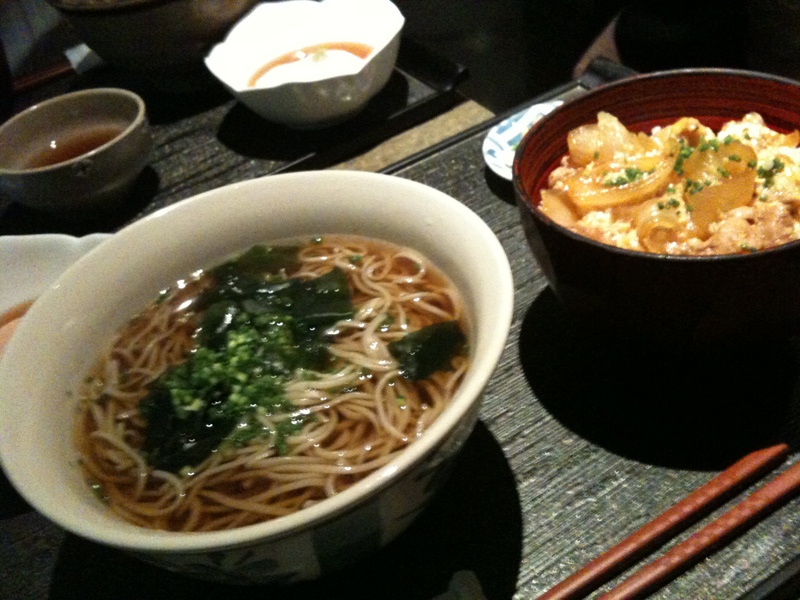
[466, 399]
[69, 97]
[525, 204]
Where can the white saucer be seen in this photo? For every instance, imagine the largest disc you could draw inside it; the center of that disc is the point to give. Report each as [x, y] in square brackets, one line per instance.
[502, 140]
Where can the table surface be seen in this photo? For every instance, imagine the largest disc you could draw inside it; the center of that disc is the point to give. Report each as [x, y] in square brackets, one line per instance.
[579, 442]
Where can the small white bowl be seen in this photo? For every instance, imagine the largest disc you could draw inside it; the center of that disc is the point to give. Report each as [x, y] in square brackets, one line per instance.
[30, 263]
[76, 152]
[63, 333]
[328, 86]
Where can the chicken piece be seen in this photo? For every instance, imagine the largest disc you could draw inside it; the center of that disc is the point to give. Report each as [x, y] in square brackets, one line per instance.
[561, 173]
[750, 228]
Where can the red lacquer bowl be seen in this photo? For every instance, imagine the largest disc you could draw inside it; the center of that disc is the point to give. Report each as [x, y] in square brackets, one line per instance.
[724, 301]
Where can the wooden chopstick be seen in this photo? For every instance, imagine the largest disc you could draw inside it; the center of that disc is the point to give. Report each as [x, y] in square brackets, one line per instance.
[25, 83]
[668, 524]
[696, 547]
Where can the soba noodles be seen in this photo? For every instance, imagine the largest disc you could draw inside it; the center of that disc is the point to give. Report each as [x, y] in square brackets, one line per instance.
[295, 428]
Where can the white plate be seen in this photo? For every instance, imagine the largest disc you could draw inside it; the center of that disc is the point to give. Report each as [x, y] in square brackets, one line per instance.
[29, 264]
[501, 142]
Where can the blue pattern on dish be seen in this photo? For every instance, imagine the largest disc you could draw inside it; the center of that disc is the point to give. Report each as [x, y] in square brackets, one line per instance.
[501, 142]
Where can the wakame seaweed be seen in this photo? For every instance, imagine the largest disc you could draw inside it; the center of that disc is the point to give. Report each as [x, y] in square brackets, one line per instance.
[268, 259]
[425, 351]
[256, 329]
[174, 442]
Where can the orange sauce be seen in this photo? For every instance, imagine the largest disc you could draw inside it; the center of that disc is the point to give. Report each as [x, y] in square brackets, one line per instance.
[355, 48]
[9, 321]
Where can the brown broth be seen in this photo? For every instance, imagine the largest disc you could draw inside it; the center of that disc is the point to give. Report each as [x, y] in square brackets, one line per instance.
[72, 145]
[355, 48]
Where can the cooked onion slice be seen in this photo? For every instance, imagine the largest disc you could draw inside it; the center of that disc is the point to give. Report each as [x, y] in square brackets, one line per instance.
[657, 224]
[601, 186]
[606, 141]
[557, 207]
[718, 180]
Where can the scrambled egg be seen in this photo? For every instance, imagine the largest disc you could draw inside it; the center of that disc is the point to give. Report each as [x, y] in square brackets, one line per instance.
[683, 189]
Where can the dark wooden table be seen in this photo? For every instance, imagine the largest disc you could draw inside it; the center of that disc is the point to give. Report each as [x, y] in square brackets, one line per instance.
[580, 440]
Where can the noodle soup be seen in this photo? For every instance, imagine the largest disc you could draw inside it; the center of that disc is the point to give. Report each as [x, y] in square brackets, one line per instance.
[269, 383]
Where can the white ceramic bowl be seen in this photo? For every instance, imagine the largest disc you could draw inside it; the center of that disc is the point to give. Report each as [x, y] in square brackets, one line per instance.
[327, 87]
[30, 263]
[65, 328]
[76, 152]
